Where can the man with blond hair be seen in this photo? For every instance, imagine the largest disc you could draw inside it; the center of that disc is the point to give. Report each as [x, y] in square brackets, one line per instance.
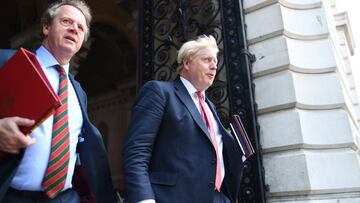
[176, 149]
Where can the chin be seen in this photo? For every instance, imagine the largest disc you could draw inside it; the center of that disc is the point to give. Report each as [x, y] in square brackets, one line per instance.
[70, 49]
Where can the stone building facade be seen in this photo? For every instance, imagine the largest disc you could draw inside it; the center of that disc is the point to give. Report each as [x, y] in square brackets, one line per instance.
[308, 108]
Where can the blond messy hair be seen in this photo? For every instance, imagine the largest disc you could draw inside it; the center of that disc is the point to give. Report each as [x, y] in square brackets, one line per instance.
[189, 49]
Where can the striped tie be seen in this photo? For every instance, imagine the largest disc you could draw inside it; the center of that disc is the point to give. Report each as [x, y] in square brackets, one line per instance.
[55, 176]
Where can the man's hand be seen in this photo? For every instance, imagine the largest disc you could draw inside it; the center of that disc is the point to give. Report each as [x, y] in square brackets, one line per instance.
[11, 138]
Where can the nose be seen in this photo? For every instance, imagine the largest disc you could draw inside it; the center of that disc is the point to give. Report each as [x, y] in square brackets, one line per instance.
[73, 27]
[214, 64]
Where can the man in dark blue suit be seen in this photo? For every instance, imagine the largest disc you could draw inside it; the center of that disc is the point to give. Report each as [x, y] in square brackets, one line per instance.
[87, 178]
[176, 149]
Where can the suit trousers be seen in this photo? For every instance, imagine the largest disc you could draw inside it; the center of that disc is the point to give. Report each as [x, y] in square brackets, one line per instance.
[220, 198]
[16, 196]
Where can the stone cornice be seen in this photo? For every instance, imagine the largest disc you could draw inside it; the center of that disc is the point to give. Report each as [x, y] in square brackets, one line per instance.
[342, 22]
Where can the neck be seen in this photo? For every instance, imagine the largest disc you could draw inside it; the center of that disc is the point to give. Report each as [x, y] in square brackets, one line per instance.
[61, 56]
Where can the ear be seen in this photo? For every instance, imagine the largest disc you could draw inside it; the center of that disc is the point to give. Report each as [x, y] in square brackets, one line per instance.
[186, 63]
[45, 30]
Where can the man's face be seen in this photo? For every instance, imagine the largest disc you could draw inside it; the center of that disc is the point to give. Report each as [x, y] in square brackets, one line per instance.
[201, 69]
[65, 35]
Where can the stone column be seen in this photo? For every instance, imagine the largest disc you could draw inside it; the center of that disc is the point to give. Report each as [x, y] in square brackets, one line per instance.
[306, 103]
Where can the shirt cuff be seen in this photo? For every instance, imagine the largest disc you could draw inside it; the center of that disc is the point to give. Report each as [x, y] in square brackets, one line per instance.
[147, 201]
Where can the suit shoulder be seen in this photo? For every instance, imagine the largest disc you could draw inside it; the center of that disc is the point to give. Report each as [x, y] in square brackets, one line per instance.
[156, 89]
[159, 83]
[156, 84]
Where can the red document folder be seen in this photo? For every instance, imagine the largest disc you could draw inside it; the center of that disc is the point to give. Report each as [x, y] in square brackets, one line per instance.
[241, 137]
[25, 91]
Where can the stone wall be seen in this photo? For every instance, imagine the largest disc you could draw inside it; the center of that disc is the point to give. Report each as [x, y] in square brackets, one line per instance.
[307, 103]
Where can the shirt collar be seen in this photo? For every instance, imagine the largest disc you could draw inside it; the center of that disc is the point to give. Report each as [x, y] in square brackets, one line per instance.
[190, 88]
[47, 60]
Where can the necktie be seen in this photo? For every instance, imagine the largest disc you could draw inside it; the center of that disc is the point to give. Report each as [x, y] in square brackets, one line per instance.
[55, 175]
[206, 117]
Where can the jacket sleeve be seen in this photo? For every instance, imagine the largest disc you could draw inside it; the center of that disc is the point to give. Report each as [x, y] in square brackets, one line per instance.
[146, 118]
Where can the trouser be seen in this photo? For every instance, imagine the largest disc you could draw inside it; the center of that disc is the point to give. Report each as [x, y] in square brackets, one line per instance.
[17, 196]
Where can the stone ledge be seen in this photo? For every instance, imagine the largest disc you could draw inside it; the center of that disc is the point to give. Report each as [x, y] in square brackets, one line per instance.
[281, 53]
[348, 197]
[253, 5]
[286, 89]
[275, 20]
[303, 129]
[310, 172]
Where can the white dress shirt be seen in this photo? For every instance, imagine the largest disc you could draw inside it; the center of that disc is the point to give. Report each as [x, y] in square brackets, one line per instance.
[192, 91]
[32, 167]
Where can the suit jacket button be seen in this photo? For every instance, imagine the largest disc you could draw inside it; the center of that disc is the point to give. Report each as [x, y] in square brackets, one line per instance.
[211, 185]
[213, 162]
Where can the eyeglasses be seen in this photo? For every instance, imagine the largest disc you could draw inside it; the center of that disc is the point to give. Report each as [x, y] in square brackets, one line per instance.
[67, 22]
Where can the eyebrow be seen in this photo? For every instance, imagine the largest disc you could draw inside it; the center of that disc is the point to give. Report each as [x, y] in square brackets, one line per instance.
[78, 23]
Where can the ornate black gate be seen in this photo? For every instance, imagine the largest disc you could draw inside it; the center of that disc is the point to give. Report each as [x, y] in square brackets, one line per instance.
[166, 24]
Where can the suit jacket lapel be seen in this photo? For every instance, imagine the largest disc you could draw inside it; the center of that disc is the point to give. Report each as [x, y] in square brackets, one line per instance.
[186, 99]
[79, 95]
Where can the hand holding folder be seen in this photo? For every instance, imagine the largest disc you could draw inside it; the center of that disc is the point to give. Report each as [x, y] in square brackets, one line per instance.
[240, 135]
[25, 90]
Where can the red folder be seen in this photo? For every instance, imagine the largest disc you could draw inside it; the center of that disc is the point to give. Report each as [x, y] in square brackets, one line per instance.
[25, 90]
[240, 135]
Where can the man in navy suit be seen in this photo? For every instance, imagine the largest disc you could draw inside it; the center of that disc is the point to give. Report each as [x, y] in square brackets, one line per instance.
[176, 149]
[65, 26]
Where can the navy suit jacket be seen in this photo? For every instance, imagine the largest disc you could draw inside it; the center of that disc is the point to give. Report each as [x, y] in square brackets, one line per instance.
[168, 155]
[92, 178]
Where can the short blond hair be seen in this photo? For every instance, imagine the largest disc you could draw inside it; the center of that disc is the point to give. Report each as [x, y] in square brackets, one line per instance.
[192, 47]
